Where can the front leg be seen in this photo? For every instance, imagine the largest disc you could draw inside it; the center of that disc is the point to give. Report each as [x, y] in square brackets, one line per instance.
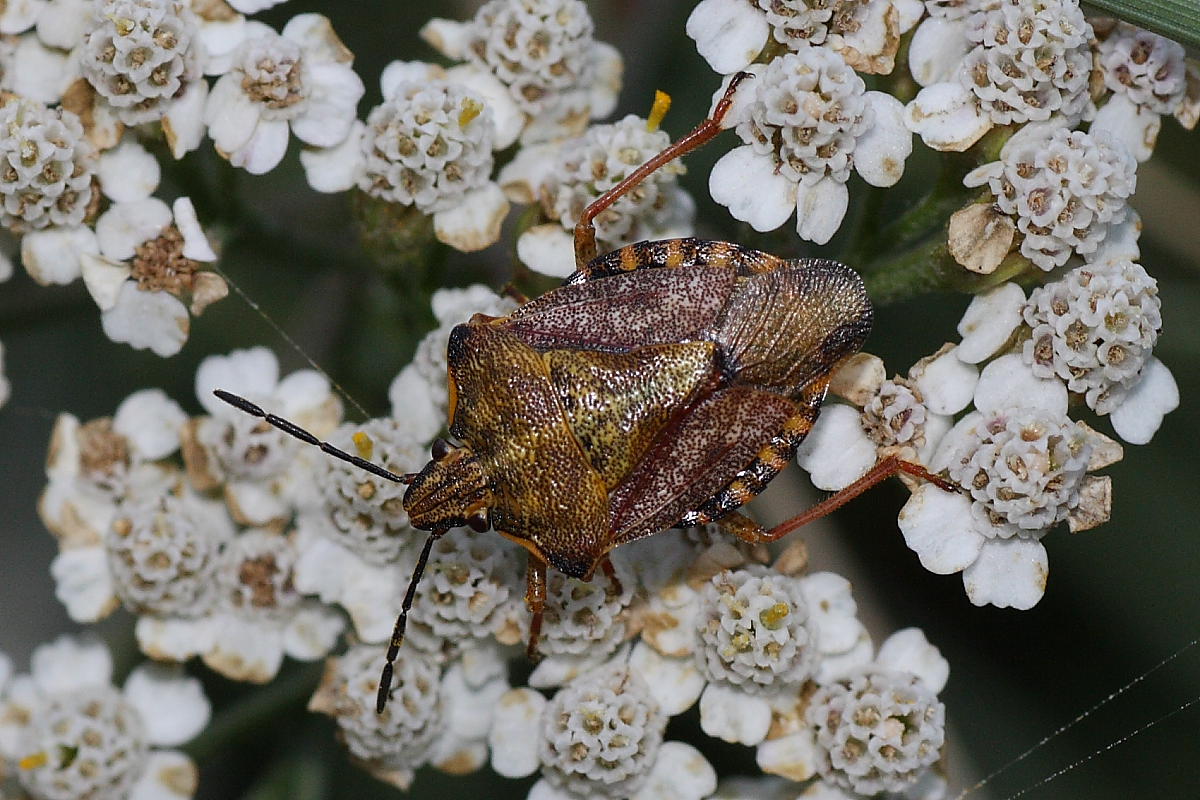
[535, 601]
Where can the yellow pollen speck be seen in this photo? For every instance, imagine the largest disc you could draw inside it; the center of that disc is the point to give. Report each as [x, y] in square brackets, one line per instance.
[34, 761]
[470, 110]
[773, 617]
[364, 445]
[662, 102]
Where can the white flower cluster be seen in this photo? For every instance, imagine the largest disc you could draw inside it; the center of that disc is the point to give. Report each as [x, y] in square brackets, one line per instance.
[807, 119]
[47, 167]
[66, 732]
[1065, 189]
[1095, 329]
[567, 176]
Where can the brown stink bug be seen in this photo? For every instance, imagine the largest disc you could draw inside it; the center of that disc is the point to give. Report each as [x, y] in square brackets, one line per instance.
[664, 384]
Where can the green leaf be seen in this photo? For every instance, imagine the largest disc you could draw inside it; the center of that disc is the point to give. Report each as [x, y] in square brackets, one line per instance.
[1175, 19]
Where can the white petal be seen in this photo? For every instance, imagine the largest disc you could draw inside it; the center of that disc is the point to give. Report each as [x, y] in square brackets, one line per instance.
[147, 320]
[246, 650]
[221, 38]
[475, 222]
[19, 15]
[1154, 395]
[947, 384]
[748, 185]
[335, 169]
[674, 682]
[516, 730]
[680, 772]
[728, 33]
[83, 583]
[1134, 126]
[256, 504]
[532, 167]
[734, 716]
[467, 709]
[908, 13]
[265, 148]
[957, 443]
[946, 117]
[183, 122]
[741, 104]
[125, 226]
[253, 372]
[103, 278]
[506, 114]
[608, 69]
[1008, 383]
[547, 249]
[313, 631]
[831, 604]
[908, 650]
[302, 392]
[39, 73]
[938, 527]
[836, 451]
[195, 243]
[793, 756]
[834, 666]
[937, 49]
[314, 32]
[936, 426]
[71, 662]
[820, 208]
[1120, 242]
[168, 775]
[989, 321]
[174, 638]
[558, 670]
[62, 23]
[412, 406]
[1009, 573]
[329, 113]
[172, 705]
[880, 153]
[230, 115]
[52, 255]
[128, 172]
[449, 37]
[543, 790]
[151, 421]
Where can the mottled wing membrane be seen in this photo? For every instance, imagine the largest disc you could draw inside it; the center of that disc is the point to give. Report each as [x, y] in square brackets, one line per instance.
[785, 329]
[693, 459]
[621, 312]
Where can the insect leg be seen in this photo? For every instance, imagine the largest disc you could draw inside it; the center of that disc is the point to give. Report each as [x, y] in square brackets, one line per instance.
[292, 429]
[585, 231]
[606, 566]
[385, 679]
[535, 600]
[882, 470]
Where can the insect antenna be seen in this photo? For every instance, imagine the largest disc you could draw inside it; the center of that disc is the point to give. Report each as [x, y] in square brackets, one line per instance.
[292, 429]
[385, 679]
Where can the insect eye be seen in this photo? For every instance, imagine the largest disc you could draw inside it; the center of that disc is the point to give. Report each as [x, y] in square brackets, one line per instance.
[440, 448]
[478, 521]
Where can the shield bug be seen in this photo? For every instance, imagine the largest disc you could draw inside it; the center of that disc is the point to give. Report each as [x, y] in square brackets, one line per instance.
[664, 384]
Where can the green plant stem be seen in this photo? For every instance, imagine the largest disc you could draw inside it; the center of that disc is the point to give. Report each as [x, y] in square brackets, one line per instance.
[928, 267]
[252, 713]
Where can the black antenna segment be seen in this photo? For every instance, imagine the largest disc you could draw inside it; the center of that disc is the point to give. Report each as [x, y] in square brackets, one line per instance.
[292, 429]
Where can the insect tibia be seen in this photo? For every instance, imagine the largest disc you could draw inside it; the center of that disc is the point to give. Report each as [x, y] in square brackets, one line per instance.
[294, 430]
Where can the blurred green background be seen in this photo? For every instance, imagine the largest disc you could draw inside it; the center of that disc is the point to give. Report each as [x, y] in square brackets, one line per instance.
[1120, 598]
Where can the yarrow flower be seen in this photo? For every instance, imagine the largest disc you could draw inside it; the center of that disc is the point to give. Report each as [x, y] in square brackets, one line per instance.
[567, 176]
[542, 53]
[1064, 189]
[1015, 62]
[300, 79]
[142, 56]
[730, 34]
[47, 167]
[601, 736]
[1147, 75]
[72, 734]
[1023, 466]
[806, 120]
